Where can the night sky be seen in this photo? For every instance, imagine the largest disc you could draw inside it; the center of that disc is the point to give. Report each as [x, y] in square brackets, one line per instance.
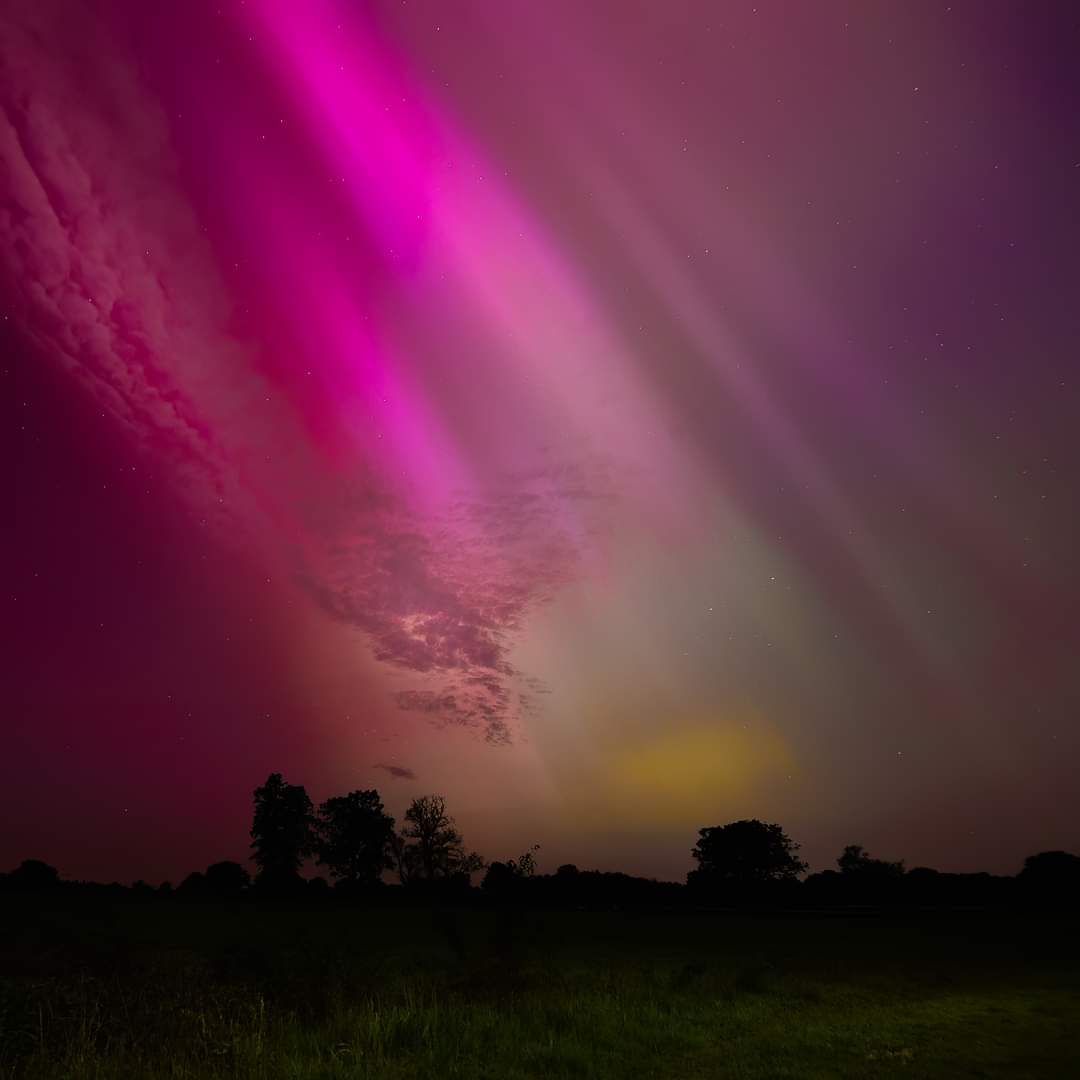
[618, 417]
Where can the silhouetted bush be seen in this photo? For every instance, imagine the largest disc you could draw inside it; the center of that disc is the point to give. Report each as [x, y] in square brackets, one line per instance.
[31, 875]
[227, 879]
[1051, 878]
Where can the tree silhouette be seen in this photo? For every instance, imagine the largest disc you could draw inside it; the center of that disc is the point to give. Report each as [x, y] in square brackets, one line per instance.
[864, 879]
[1053, 877]
[353, 837]
[226, 878]
[32, 875]
[744, 855]
[1053, 867]
[499, 878]
[194, 885]
[525, 865]
[505, 876]
[856, 860]
[430, 848]
[281, 833]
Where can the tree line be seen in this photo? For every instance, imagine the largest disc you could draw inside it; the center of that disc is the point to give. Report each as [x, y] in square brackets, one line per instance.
[746, 863]
[354, 838]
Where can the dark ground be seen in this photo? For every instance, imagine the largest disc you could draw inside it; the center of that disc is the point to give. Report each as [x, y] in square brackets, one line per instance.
[162, 988]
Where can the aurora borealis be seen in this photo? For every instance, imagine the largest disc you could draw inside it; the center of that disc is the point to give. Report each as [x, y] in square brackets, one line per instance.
[618, 417]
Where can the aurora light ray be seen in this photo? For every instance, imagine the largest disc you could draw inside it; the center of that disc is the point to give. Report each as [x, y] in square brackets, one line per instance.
[417, 567]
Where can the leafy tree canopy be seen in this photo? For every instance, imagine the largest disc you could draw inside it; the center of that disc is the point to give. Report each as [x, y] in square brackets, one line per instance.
[282, 830]
[745, 853]
[353, 837]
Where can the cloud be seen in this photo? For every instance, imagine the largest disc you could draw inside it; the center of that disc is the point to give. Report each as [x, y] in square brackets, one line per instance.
[114, 277]
[117, 283]
[446, 597]
[398, 772]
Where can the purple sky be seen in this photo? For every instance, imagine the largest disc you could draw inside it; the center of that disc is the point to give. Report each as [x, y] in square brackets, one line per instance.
[619, 418]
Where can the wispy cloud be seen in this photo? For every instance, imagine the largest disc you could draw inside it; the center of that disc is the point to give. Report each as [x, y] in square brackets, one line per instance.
[120, 285]
[398, 772]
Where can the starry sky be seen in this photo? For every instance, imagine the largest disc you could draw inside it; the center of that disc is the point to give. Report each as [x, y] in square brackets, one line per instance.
[617, 417]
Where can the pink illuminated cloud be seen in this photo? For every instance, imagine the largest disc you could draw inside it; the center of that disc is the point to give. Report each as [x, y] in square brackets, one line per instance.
[342, 444]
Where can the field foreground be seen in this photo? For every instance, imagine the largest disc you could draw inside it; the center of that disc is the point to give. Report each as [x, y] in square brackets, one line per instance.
[149, 990]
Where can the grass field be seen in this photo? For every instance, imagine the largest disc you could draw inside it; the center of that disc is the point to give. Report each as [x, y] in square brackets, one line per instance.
[171, 990]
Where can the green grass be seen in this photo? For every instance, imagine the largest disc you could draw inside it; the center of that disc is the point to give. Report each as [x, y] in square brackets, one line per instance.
[173, 991]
